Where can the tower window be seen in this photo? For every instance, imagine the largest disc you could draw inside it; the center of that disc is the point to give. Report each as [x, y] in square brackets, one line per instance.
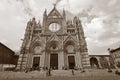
[71, 31]
[40, 31]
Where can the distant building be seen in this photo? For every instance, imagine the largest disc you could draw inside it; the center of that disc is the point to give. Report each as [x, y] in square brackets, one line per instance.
[115, 54]
[101, 61]
[7, 56]
[57, 43]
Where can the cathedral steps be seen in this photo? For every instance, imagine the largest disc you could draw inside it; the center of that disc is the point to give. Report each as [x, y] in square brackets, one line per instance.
[61, 72]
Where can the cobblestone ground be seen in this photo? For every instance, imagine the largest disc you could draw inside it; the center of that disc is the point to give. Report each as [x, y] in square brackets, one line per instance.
[60, 75]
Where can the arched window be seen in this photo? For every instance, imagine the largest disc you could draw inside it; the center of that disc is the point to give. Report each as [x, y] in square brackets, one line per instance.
[37, 50]
[94, 62]
[54, 47]
[70, 49]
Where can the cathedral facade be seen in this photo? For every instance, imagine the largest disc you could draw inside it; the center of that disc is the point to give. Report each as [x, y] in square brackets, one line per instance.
[57, 43]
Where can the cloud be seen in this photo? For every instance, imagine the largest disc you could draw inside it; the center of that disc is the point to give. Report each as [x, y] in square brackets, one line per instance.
[26, 6]
[57, 1]
[13, 21]
[100, 19]
[111, 29]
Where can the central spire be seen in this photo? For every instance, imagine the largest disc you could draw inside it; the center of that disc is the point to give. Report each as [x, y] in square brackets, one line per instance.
[54, 4]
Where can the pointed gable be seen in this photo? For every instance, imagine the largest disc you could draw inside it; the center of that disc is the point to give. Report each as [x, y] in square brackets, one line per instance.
[54, 14]
[70, 38]
[54, 37]
[37, 38]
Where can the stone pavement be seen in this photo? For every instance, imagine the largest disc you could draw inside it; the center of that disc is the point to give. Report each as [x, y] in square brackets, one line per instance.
[60, 75]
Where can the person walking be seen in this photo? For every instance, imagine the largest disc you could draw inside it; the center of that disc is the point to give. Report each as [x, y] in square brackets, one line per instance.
[73, 72]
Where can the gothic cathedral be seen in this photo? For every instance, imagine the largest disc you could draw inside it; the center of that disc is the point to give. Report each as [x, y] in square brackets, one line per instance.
[57, 43]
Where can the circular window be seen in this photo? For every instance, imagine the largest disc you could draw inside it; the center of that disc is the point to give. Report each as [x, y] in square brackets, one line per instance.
[54, 27]
[54, 47]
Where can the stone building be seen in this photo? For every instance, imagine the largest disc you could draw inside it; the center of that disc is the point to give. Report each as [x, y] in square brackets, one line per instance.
[7, 56]
[101, 61]
[115, 54]
[57, 43]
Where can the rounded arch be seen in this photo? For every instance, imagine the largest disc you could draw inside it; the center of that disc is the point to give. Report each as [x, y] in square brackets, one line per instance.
[53, 45]
[69, 46]
[70, 42]
[36, 46]
[94, 62]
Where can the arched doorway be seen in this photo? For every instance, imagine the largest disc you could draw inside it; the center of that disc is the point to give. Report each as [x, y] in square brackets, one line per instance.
[94, 62]
[69, 49]
[36, 50]
[36, 57]
[71, 62]
[54, 61]
[53, 51]
[36, 63]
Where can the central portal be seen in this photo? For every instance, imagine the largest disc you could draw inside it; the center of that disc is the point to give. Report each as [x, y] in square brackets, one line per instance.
[71, 61]
[54, 61]
[36, 62]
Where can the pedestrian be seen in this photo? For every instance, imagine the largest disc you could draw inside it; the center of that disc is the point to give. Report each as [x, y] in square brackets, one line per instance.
[46, 72]
[26, 70]
[49, 72]
[73, 72]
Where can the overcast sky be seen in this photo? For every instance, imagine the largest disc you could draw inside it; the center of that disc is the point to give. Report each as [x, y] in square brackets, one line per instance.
[100, 20]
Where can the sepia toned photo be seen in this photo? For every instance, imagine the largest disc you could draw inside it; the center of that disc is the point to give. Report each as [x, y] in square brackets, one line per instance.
[60, 40]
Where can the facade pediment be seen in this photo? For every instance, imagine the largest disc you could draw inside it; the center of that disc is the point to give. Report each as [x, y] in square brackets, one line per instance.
[54, 37]
[70, 38]
[54, 14]
[37, 39]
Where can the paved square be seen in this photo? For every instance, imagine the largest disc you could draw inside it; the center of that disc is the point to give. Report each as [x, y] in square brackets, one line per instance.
[60, 75]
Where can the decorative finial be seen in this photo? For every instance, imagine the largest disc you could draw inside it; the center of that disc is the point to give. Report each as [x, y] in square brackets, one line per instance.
[54, 4]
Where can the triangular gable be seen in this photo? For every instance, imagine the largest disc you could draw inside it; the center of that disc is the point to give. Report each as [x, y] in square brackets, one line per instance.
[54, 14]
[70, 38]
[54, 37]
[38, 38]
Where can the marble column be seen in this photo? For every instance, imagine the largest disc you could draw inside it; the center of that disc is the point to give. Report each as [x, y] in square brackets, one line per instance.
[78, 60]
[99, 62]
[42, 61]
[60, 60]
[30, 60]
[47, 60]
[65, 60]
